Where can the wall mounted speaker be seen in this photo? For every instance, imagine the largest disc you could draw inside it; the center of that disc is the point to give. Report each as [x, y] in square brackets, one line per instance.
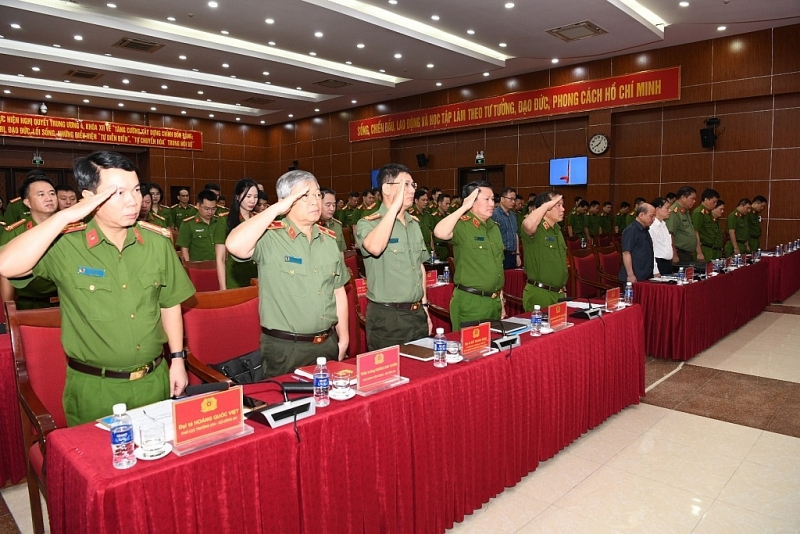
[422, 160]
[708, 137]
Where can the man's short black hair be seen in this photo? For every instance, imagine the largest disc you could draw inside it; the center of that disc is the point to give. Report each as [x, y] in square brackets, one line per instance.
[544, 198]
[327, 191]
[443, 196]
[759, 198]
[624, 204]
[25, 188]
[638, 201]
[472, 186]
[506, 190]
[607, 203]
[719, 203]
[659, 202]
[66, 187]
[686, 191]
[206, 194]
[583, 204]
[578, 199]
[389, 172]
[87, 169]
[594, 203]
[355, 194]
[418, 194]
[212, 187]
[671, 196]
[262, 195]
[744, 202]
[708, 194]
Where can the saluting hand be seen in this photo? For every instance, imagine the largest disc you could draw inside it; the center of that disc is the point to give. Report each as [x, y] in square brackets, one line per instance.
[550, 204]
[89, 204]
[470, 200]
[285, 204]
[397, 201]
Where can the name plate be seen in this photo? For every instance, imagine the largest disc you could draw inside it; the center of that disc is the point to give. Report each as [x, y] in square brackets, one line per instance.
[612, 298]
[431, 277]
[709, 269]
[378, 370]
[689, 272]
[205, 416]
[475, 338]
[557, 315]
[361, 287]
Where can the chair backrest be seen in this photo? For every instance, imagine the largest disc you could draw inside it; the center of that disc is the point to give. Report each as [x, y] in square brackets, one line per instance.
[203, 274]
[39, 358]
[584, 263]
[609, 259]
[352, 317]
[347, 234]
[604, 240]
[221, 325]
[351, 262]
[573, 243]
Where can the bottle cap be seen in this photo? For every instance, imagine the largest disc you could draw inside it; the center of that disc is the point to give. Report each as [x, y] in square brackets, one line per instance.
[537, 307]
[119, 409]
[322, 360]
[439, 331]
[630, 283]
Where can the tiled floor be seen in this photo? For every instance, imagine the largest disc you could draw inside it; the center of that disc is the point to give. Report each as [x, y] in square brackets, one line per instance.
[656, 468]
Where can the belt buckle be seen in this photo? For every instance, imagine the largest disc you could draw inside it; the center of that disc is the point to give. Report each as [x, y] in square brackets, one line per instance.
[320, 338]
[141, 372]
[495, 294]
[415, 306]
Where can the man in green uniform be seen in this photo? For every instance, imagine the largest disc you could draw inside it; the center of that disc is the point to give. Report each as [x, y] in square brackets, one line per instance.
[370, 204]
[419, 210]
[393, 248]
[301, 275]
[577, 221]
[621, 218]
[703, 220]
[631, 215]
[220, 209]
[714, 252]
[120, 285]
[605, 219]
[685, 245]
[326, 218]
[202, 237]
[478, 253]
[738, 229]
[40, 198]
[593, 219]
[182, 210]
[66, 195]
[754, 222]
[350, 214]
[16, 207]
[443, 210]
[545, 252]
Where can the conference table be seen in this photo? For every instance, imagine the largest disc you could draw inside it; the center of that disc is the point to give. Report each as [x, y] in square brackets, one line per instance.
[682, 321]
[12, 456]
[416, 458]
[784, 275]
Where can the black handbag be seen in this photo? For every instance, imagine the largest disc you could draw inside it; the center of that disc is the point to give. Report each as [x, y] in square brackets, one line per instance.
[244, 369]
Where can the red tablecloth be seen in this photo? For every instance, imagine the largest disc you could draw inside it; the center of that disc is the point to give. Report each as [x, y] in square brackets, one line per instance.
[682, 321]
[784, 276]
[12, 456]
[413, 459]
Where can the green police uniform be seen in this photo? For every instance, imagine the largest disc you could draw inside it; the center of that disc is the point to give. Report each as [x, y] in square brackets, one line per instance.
[296, 284]
[593, 223]
[15, 210]
[578, 222]
[179, 214]
[423, 220]
[630, 217]
[111, 303]
[238, 273]
[335, 225]
[364, 212]
[158, 219]
[440, 247]
[545, 263]
[164, 217]
[221, 212]
[620, 221]
[605, 223]
[395, 278]
[38, 293]
[349, 216]
[715, 251]
[754, 229]
[680, 226]
[478, 250]
[200, 238]
[740, 225]
[707, 228]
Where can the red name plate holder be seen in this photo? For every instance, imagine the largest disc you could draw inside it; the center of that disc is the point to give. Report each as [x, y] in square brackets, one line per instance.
[378, 370]
[431, 278]
[557, 316]
[206, 420]
[689, 275]
[612, 299]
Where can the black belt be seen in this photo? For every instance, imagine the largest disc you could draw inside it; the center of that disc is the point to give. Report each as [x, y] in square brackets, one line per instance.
[136, 374]
[49, 300]
[317, 338]
[710, 246]
[490, 294]
[545, 286]
[741, 242]
[407, 306]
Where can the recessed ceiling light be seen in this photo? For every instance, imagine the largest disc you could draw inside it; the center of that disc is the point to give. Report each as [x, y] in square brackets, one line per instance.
[85, 100]
[382, 70]
[15, 26]
[503, 45]
[153, 108]
[7, 91]
[225, 32]
[105, 87]
[181, 57]
[67, 81]
[299, 88]
[271, 43]
[265, 73]
[290, 115]
[211, 115]
[509, 5]
[263, 122]
[430, 65]
[163, 86]
[353, 101]
[232, 76]
[142, 91]
[108, 55]
[225, 65]
[21, 75]
[208, 100]
[471, 32]
[270, 21]
[268, 83]
[57, 45]
[438, 84]
[238, 104]
[683, 4]
[485, 73]
[35, 69]
[554, 60]
[312, 53]
[238, 119]
[126, 81]
[112, 6]
[196, 70]
[721, 28]
[78, 38]
[121, 105]
[199, 92]
[316, 110]
[171, 19]
[398, 56]
[434, 17]
[213, 4]
[393, 2]
[317, 34]
[360, 45]
[183, 112]
[48, 96]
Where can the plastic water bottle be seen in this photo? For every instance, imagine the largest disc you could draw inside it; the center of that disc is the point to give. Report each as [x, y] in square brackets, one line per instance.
[121, 427]
[583, 242]
[778, 250]
[433, 255]
[446, 275]
[628, 297]
[536, 321]
[439, 349]
[681, 277]
[322, 381]
[758, 255]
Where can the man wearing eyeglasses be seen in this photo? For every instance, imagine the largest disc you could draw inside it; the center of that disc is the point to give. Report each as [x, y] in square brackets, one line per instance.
[301, 277]
[506, 219]
[393, 248]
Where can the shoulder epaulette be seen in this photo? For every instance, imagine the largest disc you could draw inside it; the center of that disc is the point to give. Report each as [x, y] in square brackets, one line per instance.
[15, 225]
[2, 223]
[15, 200]
[372, 217]
[337, 220]
[157, 215]
[73, 227]
[276, 225]
[465, 218]
[414, 217]
[189, 218]
[327, 231]
[175, 206]
[155, 228]
[223, 214]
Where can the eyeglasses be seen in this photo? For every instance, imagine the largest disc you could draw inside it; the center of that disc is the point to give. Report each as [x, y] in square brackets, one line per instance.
[511, 198]
[413, 185]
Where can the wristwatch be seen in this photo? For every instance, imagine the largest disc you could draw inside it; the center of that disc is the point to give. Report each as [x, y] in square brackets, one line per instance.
[426, 304]
[181, 355]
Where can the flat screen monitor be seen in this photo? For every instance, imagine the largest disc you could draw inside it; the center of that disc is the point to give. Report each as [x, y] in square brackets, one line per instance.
[569, 171]
[374, 178]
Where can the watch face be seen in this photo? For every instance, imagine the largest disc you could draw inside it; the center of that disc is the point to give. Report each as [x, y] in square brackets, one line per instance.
[598, 144]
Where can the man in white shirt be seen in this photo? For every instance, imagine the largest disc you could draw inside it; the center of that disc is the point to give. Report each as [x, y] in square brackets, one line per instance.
[662, 240]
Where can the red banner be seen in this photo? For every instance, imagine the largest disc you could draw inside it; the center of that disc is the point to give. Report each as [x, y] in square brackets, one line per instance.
[86, 131]
[639, 88]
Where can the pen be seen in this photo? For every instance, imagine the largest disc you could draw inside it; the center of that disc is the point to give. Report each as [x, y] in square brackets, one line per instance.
[299, 379]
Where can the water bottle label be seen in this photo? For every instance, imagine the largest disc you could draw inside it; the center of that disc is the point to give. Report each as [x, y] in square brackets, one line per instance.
[321, 381]
[439, 345]
[122, 435]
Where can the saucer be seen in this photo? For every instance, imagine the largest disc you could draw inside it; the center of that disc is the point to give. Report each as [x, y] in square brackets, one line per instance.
[139, 453]
[547, 330]
[456, 359]
[347, 396]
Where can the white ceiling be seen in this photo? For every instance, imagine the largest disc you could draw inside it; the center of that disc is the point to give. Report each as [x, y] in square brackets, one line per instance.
[252, 48]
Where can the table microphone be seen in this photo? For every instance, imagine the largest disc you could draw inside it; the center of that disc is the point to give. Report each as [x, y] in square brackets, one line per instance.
[200, 389]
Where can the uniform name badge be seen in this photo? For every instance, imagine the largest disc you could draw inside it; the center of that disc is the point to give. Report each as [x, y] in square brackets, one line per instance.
[90, 271]
[293, 259]
[394, 240]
